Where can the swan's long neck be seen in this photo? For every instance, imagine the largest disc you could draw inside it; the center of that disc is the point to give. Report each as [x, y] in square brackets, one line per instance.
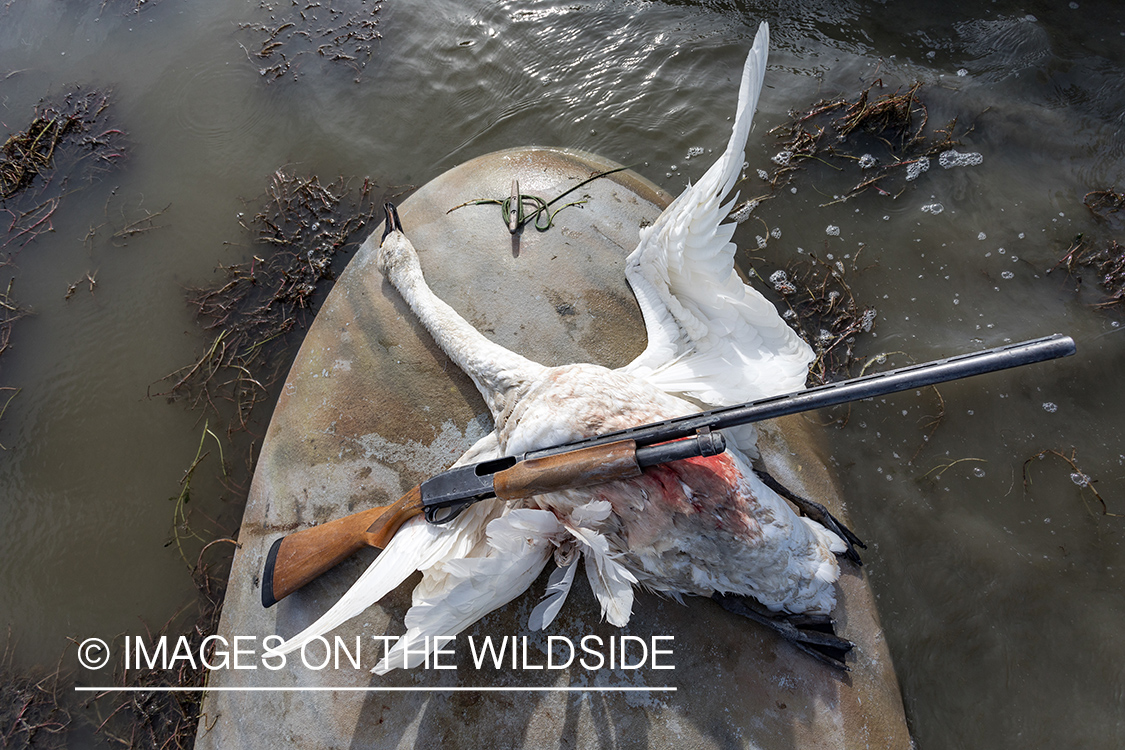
[500, 375]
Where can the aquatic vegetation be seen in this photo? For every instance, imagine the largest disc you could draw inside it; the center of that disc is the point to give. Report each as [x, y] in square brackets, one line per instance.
[1080, 478]
[38, 708]
[10, 312]
[32, 713]
[64, 142]
[342, 32]
[520, 209]
[159, 718]
[300, 229]
[1107, 205]
[1106, 260]
[824, 311]
[880, 136]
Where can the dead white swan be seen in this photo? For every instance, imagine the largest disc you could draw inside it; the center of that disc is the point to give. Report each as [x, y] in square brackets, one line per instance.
[701, 526]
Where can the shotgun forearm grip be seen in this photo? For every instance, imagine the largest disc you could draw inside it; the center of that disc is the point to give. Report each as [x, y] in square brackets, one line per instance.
[298, 558]
[577, 468]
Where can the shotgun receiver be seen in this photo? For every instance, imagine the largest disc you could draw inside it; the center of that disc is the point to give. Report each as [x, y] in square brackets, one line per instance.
[298, 558]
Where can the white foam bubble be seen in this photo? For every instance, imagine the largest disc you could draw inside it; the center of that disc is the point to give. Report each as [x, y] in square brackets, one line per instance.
[866, 320]
[952, 158]
[781, 283]
[742, 213]
[916, 168]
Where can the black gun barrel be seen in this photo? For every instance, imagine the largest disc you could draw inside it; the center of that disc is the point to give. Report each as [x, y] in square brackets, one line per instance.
[445, 496]
[856, 389]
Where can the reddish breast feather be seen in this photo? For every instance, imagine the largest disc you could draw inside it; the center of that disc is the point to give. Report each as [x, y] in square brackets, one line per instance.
[710, 491]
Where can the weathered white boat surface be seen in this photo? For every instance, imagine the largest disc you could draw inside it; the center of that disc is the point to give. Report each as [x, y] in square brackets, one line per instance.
[372, 407]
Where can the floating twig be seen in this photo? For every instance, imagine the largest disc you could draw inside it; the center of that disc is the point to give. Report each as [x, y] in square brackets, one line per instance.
[1079, 477]
[941, 469]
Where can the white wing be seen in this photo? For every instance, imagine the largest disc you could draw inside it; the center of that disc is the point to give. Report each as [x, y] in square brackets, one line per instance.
[711, 337]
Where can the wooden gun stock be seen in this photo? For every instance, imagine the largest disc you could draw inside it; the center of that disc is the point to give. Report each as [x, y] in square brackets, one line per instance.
[298, 558]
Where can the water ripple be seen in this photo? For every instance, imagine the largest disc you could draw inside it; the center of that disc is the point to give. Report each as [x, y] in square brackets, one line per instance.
[1002, 47]
[584, 76]
[214, 103]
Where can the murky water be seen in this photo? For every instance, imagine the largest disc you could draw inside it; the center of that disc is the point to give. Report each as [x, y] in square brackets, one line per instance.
[1000, 586]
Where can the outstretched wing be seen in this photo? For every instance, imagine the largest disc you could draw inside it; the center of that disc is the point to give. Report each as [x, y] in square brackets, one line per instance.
[711, 337]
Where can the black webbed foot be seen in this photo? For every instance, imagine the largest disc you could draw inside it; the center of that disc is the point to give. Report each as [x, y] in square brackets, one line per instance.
[813, 634]
[818, 513]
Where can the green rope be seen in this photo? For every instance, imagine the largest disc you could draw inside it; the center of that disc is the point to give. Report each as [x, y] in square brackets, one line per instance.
[539, 210]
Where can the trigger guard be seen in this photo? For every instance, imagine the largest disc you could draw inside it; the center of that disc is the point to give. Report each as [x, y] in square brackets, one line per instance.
[452, 511]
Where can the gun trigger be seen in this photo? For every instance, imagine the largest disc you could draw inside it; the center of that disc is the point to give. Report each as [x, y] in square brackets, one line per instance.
[444, 514]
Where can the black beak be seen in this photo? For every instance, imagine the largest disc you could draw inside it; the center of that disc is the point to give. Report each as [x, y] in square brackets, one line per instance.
[392, 223]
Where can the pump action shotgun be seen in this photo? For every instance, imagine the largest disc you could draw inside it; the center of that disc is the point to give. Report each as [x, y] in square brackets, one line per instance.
[298, 558]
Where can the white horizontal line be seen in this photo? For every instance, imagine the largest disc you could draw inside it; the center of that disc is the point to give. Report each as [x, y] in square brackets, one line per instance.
[352, 689]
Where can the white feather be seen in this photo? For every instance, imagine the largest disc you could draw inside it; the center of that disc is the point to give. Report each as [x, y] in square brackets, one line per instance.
[460, 591]
[610, 581]
[558, 586]
[728, 343]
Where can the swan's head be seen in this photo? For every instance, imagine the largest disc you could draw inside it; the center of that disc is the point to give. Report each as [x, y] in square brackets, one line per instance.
[395, 252]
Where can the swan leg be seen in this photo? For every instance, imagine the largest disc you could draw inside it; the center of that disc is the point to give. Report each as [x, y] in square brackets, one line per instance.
[818, 513]
[811, 634]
